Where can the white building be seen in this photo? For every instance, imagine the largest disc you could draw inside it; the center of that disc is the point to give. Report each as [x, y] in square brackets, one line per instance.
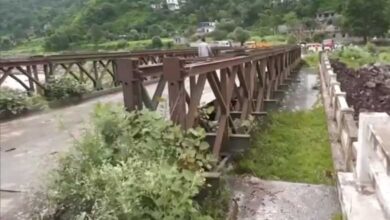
[206, 27]
[171, 4]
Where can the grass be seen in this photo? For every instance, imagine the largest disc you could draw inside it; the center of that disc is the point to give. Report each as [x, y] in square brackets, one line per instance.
[337, 216]
[35, 47]
[355, 57]
[293, 147]
[272, 39]
[312, 60]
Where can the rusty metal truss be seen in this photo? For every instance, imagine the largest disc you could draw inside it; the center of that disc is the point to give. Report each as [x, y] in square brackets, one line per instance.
[86, 68]
[241, 85]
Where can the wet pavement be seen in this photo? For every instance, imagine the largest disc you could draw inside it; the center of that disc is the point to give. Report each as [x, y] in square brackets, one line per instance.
[303, 92]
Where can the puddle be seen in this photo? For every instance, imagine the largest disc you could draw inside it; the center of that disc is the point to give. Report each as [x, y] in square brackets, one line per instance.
[302, 93]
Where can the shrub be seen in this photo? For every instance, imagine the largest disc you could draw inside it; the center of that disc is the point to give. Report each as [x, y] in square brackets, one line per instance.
[134, 35]
[371, 48]
[384, 57]
[5, 43]
[354, 56]
[169, 44]
[64, 87]
[318, 37]
[240, 35]
[156, 42]
[219, 34]
[122, 44]
[15, 102]
[312, 60]
[57, 41]
[131, 165]
[291, 39]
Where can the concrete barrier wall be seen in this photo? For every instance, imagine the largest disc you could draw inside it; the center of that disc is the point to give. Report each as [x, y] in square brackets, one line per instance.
[364, 187]
[342, 114]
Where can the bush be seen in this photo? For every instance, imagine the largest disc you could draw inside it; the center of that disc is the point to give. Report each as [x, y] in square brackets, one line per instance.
[318, 37]
[5, 43]
[219, 34]
[63, 88]
[57, 41]
[240, 35]
[156, 42]
[169, 44]
[122, 44]
[312, 60]
[134, 35]
[291, 40]
[156, 30]
[15, 102]
[355, 57]
[385, 57]
[370, 47]
[131, 165]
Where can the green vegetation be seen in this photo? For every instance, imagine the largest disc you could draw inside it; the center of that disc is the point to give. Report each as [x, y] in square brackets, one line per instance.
[361, 23]
[312, 60]
[356, 57]
[65, 24]
[293, 146]
[337, 216]
[58, 88]
[134, 165]
[71, 24]
[240, 35]
[156, 42]
[15, 102]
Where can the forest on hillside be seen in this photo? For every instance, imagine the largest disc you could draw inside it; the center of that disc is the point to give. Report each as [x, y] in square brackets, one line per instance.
[65, 22]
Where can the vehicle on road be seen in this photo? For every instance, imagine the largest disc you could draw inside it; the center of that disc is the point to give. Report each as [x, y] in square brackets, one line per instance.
[328, 44]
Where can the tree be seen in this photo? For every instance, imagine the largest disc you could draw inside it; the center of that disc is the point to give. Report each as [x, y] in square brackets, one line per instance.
[241, 35]
[291, 39]
[95, 33]
[227, 26]
[366, 18]
[156, 42]
[57, 41]
[5, 43]
[155, 30]
[219, 34]
[134, 35]
[291, 20]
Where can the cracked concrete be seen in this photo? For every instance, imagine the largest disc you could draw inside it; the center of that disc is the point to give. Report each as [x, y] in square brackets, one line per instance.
[29, 147]
[265, 200]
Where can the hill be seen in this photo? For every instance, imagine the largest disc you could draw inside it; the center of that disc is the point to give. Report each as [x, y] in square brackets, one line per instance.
[66, 22]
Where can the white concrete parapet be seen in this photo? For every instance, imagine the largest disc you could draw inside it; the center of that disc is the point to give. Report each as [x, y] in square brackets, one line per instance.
[364, 188]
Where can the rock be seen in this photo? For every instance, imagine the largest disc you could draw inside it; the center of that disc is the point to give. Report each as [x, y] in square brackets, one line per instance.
[387, 83]
[371, 84]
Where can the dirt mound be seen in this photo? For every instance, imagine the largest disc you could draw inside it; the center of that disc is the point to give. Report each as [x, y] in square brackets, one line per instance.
[368, 88]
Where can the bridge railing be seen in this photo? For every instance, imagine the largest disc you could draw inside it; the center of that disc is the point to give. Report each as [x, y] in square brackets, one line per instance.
[364, 183]
[96, 69]
[240, 86]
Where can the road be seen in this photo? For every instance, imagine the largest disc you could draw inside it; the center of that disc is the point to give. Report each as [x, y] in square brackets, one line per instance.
[29, 146]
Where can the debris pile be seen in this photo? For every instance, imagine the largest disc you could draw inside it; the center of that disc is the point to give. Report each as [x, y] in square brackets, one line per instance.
[368, 88]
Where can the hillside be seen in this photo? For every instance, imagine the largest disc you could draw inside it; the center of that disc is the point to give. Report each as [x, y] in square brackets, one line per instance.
[20, 19]
[66, 22]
